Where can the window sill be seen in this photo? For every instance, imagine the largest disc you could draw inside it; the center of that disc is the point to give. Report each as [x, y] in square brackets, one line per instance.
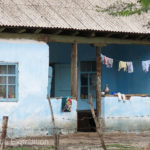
[9, 100]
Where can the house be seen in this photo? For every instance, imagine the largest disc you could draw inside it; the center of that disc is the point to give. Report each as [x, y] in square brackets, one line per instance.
[56, 45]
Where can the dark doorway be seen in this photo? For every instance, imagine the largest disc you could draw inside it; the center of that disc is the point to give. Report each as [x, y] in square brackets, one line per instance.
[85, 122]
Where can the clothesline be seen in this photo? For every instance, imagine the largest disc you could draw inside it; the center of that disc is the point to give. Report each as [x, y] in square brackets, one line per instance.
[125, 65]
[117, 60]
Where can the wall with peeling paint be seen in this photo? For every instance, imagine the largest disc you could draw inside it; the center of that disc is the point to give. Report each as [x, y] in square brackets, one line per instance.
[134, 115]
[130, 116]
[31, 114]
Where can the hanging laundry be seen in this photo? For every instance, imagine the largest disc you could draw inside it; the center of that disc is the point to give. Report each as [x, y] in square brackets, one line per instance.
[145, 65]
[130, 67]
[110, 63]
[105, 62]
[102, 58]
[122, 65]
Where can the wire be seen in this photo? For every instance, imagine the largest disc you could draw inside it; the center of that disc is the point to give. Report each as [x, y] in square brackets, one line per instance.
[117, 60]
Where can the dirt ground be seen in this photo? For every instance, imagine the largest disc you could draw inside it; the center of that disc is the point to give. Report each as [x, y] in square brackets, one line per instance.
[83, 141]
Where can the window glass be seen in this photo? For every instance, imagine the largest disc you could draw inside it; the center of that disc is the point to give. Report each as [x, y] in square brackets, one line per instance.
[2, 91]
[11, 91]
[11, 69]
[3, 69]
[2, 80]
[88, 79]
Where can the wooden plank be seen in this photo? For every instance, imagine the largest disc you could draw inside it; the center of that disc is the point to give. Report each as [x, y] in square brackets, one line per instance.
[71, 39]
[56, 137]
[74, 70]
[98, 83]
[98, 124]
[4, 132]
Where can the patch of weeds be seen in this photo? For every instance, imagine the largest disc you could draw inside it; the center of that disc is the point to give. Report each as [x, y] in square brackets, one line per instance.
[31, 148]
[120, 147]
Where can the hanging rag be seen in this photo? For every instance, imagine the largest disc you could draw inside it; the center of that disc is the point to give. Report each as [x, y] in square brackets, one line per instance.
[145, 65]
[67, 104]
[109, 63]
[130, 67]
[105, 62]
[102, 58]
[122, 65]
[121, 97]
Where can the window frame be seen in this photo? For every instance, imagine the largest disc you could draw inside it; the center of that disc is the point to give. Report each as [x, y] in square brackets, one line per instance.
[16, 82]
[88, 74]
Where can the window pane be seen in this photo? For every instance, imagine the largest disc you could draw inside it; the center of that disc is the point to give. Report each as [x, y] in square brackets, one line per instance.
[93, 85]
[88, 66]
[11, 91]
[84, 92]
[94, 66]
[11, 80]
[2, 91]
[84, 79]
[2, 80]
[11, 69]
[83, 66]
[2, 69]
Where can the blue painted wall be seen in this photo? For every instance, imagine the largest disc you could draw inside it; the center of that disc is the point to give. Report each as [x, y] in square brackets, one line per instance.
[137, 82]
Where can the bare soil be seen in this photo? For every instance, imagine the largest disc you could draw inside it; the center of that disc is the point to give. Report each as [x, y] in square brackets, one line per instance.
[86, 141]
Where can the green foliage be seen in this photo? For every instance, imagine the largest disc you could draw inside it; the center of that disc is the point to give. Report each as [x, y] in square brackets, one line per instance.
[126, 9]
[145, 3]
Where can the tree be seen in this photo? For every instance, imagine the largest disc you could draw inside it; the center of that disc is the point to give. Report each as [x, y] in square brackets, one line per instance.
[126, 9]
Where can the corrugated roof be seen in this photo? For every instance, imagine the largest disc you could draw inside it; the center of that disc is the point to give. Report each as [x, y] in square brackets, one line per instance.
[69, 14]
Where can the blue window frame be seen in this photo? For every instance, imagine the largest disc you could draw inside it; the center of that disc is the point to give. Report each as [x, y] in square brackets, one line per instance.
[8, 82]
[87, 79]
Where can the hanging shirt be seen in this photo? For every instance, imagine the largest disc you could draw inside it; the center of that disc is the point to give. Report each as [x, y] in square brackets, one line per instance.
[122, 65]
[130, 67]
[145, 65]
[109, 63]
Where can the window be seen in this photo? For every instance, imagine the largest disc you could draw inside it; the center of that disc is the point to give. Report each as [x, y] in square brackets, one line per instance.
[8, 81]
[88, 79]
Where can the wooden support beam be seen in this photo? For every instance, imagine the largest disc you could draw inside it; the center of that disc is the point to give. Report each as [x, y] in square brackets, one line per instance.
[2, 29]
[98, 84]
[57, 32]
[125, 36]
[74, 70]
[75, 33]
[37, 31]
[140, 37]
[108, 34]
[71, 39]
[21, 30]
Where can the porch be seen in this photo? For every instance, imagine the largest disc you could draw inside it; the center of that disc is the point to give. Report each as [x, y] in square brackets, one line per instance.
[117, 116]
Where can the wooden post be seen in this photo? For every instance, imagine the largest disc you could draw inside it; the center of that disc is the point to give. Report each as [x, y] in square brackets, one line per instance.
[98, 125]
[56, 137]
[4, 132]
[98, 84]
[74, 71]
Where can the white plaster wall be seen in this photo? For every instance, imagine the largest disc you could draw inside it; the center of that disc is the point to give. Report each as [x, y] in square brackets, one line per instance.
[30, 116]
[31, 110]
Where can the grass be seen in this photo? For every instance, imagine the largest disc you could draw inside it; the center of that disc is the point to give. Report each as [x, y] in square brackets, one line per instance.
[121, 147]
[31, 148]
[110, 147]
